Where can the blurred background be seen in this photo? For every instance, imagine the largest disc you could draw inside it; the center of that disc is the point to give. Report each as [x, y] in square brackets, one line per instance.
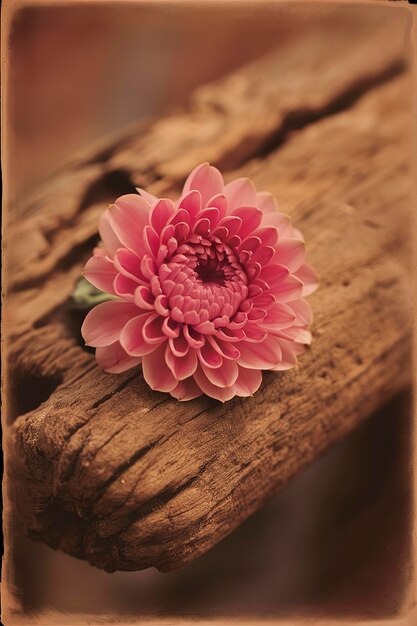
[335, 541]
[82, 72]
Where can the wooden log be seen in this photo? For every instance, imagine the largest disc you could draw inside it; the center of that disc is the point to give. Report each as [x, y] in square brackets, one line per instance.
[128, 478]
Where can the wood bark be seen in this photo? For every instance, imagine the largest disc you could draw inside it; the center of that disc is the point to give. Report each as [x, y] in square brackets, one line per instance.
[109, 471]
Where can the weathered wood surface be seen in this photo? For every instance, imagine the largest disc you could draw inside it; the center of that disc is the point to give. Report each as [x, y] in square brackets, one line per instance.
[128, 478]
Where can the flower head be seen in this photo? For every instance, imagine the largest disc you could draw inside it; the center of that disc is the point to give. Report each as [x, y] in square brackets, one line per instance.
[209, 290]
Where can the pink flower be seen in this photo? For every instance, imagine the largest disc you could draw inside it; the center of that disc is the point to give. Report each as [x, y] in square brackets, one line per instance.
[209, 289]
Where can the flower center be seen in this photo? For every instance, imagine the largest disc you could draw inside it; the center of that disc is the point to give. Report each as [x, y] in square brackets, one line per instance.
[204, 282]
[210, 272]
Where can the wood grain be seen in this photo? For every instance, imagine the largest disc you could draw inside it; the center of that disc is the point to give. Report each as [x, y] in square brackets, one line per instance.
[128, 478]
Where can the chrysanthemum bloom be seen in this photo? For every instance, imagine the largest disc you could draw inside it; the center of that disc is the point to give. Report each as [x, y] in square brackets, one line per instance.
[209, 289]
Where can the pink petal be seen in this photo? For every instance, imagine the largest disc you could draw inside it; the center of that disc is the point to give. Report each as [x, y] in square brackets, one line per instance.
[151, 241]
[308, 277]
[211, 214]
[202, 227]
[224, 376]
[268, 235]
[191, 203]
[160, 214]
[186, 390]
[220, 203]
[144, 298]
[225, 348]
[208, 356]
[128, 216]
[181, 215]
[225, 334]
[181, 366]
[251, 217]
[107, 235]
[278, 317]
[289, 288]
[239, 192]
[114, 359]
[105, 322]
[264, 300]
[170, 327]
[132, 339]
[263, 355]
[219, 393]
[128, 263]
[156, 372]
[302, 311]
[150, 198]
[299, 334]
[232, 223]
[248, 382]
[283, 224]
[152, 329]
[207, 180]
[179, 345]
[290, 253]
[100, 272]
[263, 255]
[193, 337]
[124, 287]
[255, 333]
[289, 358]
[266, 202]
[273, 275]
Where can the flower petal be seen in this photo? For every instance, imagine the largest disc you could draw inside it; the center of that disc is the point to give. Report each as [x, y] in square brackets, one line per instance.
[105, 322]
[239, 192]
[290, 253]
[251, 218]
[128, 216]
[248, 381]
[259, 356]
[181, 366]
[278, 317]
[209, 356]
[302, 311]
[191, 202]
[289, 358]
[160, 214]
[219, 393]
[266, 202]
[107, 235]
[128, 263]
[273, 275]
[124, 287]
[207, 180]
[150, 198]
[114, 359]
[132, 339]
[289, 288]
[186, 390]
[156, 372]
[100, 272]
[308, 277]
[144, 298]
[219, 202]
[224, 376]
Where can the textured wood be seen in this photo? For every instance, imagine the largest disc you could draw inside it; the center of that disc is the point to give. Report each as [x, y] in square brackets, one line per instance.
[128, 478]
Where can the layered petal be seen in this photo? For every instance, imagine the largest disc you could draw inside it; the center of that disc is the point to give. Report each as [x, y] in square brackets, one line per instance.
[100, 272]
[128, 217]
[207, 180]
[156, 372]
[105, 322]
[114, 359]
[211, 288]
